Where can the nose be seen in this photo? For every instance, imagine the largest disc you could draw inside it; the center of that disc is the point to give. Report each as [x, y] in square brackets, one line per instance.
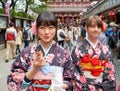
[96, 28]
[46, 30]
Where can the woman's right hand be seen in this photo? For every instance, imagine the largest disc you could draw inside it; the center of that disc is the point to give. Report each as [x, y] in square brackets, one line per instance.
[39, 60]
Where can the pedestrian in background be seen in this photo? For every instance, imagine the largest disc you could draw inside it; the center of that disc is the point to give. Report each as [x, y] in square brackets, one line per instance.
[61, 35]
[95, 59]
[18, 41]
[10, 37]
[118, 44]
[27, 35]
[34, 67]
[102, 37]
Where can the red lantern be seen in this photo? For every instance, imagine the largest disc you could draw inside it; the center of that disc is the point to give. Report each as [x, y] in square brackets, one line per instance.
[102, 16]
[112, 13]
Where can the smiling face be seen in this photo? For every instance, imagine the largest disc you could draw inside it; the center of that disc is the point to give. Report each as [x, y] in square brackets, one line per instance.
[46, 33]
[93, 27]
[46, 25]
[93, 31]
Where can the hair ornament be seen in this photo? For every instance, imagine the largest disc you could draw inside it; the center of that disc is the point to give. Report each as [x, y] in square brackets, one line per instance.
[34, 29]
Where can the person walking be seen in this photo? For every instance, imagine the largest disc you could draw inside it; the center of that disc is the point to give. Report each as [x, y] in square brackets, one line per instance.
[95, 59]
[10, 37]
[27, 35]
[102, 37]
[61, 35]
[18, 41]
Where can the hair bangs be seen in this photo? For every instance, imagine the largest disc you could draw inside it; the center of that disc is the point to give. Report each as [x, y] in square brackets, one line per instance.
[94, 21]
[46, 19]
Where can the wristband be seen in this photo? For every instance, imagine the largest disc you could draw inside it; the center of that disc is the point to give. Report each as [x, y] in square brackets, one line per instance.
[26, 79]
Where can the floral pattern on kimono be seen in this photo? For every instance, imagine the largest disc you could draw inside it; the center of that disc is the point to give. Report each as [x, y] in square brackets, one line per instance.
[23, 62]
[85, 51]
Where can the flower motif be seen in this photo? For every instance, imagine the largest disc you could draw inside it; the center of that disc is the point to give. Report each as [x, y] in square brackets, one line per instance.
[50, 57]
[34, 29]
[58, 54]
[90, 51]
[82, 79]
[92, 87]
[77, 52]
[105, 49]
[18, 77]
[12, 86]
[98, 52]
[93, 65]
[95, 62]
[86, 58]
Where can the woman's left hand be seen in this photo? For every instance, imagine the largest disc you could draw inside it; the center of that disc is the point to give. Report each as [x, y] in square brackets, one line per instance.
[65, 86]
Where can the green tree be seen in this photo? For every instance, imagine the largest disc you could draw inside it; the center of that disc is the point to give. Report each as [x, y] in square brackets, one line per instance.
[28, 4]
[12, 4]
[39, 8]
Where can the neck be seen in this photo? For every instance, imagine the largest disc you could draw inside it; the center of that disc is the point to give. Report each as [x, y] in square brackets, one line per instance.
[46, 45]
[93, 40]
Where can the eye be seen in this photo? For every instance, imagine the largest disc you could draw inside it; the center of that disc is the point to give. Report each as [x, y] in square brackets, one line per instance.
[51, 27]
[42, 27]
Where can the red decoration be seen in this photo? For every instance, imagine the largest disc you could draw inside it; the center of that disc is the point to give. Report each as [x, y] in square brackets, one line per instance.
[112, 13]
[102, 16]
[94, 65]
[104, 26]
[40, 82]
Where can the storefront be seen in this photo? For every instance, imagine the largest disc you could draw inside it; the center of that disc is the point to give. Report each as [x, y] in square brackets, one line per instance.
[108, 10]
[3, 26]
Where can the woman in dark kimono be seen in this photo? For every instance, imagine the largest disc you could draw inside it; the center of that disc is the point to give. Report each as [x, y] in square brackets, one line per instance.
[95, 58]
[34, 67]
[32, 70]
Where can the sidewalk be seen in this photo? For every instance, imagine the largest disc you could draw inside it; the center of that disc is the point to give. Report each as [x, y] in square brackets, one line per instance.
[5, 67]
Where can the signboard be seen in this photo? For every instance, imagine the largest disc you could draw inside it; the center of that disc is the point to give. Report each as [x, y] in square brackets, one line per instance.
[18, 23]
[25, 23]
[3, 22]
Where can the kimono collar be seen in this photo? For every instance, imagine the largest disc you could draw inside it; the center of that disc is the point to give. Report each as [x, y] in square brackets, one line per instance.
[46, 50]
[93, 45]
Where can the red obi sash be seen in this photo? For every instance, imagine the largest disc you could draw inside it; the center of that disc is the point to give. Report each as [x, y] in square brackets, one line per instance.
[10, 36]
[94, 65]
[41, 85]
[41, 82]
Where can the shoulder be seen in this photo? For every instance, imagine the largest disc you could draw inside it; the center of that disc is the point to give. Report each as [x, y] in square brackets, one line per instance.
[60, 49]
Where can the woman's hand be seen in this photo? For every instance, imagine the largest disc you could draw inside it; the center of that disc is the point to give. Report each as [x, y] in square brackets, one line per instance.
[39, 60]
[65, 86]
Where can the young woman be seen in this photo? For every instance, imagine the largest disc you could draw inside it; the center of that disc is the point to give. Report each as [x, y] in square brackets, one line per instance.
[34, 67]
[18, 40]
[95, 58]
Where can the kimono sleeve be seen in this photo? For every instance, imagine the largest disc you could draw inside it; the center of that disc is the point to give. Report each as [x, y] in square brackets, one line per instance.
[109, 79]
[18, 70]
[68, 70]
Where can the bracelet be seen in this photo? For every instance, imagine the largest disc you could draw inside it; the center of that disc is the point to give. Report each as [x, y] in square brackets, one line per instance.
[26, 79]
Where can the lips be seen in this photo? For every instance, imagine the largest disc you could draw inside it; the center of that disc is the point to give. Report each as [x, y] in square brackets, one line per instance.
[46, 37]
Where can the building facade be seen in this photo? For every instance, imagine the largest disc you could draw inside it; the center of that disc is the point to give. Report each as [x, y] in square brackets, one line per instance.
[107, 9]
[68, 11]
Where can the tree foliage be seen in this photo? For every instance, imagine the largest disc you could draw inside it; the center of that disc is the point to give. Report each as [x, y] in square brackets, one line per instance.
[28, 4]
[39, 8]
[12, 4]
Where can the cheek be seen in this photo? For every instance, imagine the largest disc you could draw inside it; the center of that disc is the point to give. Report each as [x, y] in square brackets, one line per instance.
[99, 30]
[53, 32]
